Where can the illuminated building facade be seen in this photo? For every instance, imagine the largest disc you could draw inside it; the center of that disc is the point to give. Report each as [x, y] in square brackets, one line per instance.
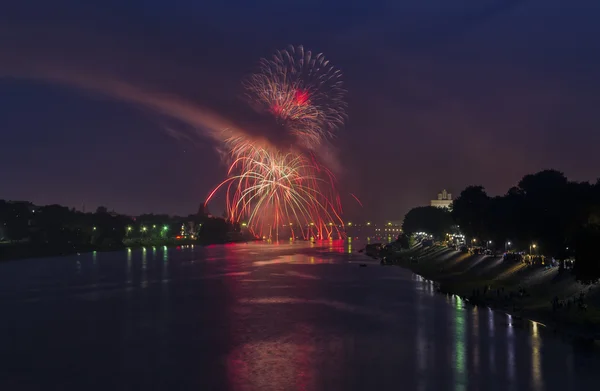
[444, 200]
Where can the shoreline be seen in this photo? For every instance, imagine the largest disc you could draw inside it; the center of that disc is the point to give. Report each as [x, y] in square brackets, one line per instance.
[450, 279]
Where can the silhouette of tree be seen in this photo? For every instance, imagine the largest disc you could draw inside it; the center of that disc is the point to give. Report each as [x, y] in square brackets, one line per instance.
[435, 221]
[470, 210]
[214, 230]
[587, 264]
[17, 218]
[404, 241]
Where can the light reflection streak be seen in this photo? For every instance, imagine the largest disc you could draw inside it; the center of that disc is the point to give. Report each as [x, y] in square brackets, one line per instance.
[165, 264]
[94, 261]
[129, 265]
[476, 339]
[421, 345]
[510, 365]
[460, 374]
[492, 341]
[536, 365]
[144, 282]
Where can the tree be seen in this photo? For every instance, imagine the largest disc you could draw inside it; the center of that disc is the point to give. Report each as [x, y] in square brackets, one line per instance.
[587, 261]
[469, 211]
[57, 225]
[214, 230]
[403, 241]
[17, 217]
[435, 221]
[101, 210]
[553, 210]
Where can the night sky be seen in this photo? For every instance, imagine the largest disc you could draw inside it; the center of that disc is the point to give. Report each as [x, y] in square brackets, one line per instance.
[106, 102]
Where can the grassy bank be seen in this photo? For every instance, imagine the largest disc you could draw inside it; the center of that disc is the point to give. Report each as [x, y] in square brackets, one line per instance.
[524, 291]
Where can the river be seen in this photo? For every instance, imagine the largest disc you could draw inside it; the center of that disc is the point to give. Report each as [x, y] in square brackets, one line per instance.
[262, 317]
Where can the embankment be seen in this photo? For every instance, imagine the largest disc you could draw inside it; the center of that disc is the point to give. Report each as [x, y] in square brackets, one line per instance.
[524, 291]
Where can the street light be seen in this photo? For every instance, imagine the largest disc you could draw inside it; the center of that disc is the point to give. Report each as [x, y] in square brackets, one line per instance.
[532, 246]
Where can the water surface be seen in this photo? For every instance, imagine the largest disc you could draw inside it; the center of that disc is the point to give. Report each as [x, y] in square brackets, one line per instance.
[262, 317]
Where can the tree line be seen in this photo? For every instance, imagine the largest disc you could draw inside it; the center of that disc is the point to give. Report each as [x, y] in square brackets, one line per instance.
[29, 230]
[546, 212]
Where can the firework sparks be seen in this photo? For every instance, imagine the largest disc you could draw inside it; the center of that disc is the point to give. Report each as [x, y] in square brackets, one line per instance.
[302, 90]
[274, 188]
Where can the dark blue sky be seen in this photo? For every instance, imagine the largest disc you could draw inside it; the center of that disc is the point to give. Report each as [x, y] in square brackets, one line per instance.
[441, 94]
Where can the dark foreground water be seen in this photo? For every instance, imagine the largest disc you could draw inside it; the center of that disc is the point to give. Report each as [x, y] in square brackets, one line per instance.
[261, 317]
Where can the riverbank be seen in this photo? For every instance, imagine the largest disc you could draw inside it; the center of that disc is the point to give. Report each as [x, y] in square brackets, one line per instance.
[522, 291]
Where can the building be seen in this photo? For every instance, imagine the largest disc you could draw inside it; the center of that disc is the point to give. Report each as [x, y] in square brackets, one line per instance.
[444, 200]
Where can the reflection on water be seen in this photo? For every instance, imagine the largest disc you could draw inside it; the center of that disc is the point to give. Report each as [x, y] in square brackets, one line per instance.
[421, 346]
[296, 316]
[475, 340]
[460, 380]
[165, 266]
[492, 356]
[144, 280]
[510, 364]
[536, 366]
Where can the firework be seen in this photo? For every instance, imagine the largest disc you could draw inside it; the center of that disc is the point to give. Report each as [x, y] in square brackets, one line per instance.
[276, 190]
[302, 90]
